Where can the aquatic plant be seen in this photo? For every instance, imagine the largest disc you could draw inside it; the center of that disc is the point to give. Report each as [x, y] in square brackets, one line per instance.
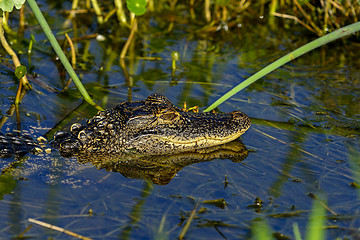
[342, 32]
[315, 229]
[20, 70]
[45, 26]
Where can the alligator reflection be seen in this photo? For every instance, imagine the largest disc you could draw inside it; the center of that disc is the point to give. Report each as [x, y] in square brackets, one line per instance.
[161, 169]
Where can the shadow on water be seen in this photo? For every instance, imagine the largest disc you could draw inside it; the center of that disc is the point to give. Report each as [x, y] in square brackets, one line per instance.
[303, 142]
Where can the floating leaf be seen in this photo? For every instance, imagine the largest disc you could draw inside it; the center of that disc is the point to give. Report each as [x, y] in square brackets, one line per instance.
[138, 7]
[8, 5]
[20, 71]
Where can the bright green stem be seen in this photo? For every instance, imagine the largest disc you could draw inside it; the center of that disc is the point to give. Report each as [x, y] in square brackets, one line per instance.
[120, 11]
[98, 12]
[317, 223]
[342, 32]
[44, 25]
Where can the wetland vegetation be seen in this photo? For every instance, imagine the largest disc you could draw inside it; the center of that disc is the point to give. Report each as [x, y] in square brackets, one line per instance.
[302, 149]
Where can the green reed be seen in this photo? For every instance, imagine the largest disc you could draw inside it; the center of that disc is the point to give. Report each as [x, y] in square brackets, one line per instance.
[342, 32]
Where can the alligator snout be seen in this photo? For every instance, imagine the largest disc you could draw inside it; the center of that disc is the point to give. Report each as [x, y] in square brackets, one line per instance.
[241, 118]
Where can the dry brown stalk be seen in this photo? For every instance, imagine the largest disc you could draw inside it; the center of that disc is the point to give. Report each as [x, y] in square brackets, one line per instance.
[56, 228]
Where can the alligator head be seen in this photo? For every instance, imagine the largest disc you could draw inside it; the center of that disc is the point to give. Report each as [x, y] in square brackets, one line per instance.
[153, 126]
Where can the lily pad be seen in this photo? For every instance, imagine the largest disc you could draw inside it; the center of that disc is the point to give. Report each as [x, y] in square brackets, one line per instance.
[20, 71]
[138, 7]
[8, 5]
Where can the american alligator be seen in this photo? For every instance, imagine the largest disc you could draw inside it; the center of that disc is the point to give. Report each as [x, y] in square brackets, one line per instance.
[150, 127]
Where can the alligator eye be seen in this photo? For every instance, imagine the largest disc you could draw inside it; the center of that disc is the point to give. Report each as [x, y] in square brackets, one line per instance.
[140, 121]
[157, 98]
[170, 116]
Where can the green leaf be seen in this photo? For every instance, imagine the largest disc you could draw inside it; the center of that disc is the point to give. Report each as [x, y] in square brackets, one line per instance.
[138, 7]
[8, 5]
[20, 71]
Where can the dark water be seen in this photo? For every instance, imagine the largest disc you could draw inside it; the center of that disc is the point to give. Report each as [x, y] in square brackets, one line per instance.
[304, 140]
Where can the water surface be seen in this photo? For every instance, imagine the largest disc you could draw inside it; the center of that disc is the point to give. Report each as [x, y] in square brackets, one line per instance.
[304, 141]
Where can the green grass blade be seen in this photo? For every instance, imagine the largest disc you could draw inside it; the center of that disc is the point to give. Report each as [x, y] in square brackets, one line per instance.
[342, 32]
[296, 231]
[316, 226]
[45, 26]
[260, 230]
